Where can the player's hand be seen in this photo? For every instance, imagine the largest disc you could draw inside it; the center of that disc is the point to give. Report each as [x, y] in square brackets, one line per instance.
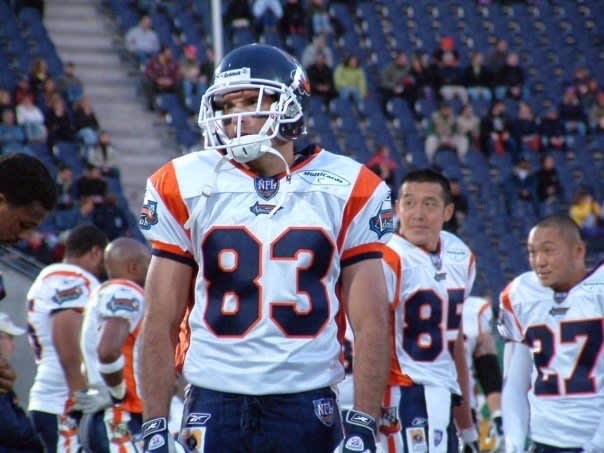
[469, 439]
[92, 400]
[360, 431]
[7, 376]
[157, 438]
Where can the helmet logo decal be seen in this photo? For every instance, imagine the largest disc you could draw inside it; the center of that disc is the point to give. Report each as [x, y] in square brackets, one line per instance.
[266, 186]
[233, 75]
[300, 81]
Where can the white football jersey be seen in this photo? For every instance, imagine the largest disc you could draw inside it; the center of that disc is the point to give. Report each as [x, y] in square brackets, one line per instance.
[565, 334]
[428, 291]
[265, 294]
[477, 318]
[57, 287]
[117, 298]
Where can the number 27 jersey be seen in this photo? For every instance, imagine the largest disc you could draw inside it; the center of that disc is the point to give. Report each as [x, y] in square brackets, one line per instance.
[266, 317]
[566, 341]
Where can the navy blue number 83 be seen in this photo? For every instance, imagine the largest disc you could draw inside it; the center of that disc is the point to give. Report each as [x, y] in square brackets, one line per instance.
[241, 280]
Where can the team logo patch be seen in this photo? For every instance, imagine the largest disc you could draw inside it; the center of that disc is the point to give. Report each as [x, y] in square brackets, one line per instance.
[266, 186]
[157, 441]
[65, 295]
[438, 437]
[262, 208]
[152, 426]
[148, 215]
[194, 438]
[355, 443]
[419, 421]
[197, 418]
[325, 410]
[416, 440]
[116, 304]
[560, 296]
[382, 223]
[323, 178]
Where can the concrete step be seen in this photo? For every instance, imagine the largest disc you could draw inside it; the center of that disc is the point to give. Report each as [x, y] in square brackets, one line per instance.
[112, 92]
[86, 27]
[92, 59]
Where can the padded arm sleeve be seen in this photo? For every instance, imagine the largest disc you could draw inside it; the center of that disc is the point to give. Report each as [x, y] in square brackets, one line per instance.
[514, 403]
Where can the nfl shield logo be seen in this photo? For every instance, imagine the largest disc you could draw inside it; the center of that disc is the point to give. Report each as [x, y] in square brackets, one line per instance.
[266, 186]
[325, 410]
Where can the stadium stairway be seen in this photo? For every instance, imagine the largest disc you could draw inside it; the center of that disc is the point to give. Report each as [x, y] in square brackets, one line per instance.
[86, 36]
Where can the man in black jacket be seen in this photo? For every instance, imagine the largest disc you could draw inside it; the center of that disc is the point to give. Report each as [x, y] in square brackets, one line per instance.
[16, 431]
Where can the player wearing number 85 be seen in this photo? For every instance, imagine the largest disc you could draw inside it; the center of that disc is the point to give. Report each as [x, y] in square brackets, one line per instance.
[553, 319]
[272, 240]
[429, 274]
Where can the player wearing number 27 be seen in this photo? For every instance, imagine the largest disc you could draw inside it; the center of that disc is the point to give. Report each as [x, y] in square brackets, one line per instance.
[429, 274]
[266, 234]
[553, 319]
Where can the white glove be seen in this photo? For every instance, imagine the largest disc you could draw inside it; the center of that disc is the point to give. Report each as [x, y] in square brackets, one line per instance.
[92, 400]
[469, 439]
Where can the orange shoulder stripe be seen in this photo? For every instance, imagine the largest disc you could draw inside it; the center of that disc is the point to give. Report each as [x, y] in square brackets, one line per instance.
[166, 184]
[507, 305]
[363, 190]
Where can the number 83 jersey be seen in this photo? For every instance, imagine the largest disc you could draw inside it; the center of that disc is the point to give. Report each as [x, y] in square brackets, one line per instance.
[565, 335]
[266, 318]
[427, 291]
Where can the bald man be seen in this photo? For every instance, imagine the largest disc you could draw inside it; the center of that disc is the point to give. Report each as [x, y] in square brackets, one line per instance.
[552, 319]
[111, 347]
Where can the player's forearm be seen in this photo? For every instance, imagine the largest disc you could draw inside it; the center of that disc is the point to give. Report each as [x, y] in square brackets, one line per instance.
[462, 413]
[514, 401]
[371, 366]
[157, 370]
[72, 369]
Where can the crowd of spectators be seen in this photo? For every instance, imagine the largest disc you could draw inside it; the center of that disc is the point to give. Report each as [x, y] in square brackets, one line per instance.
[52, 119]
[481, 100]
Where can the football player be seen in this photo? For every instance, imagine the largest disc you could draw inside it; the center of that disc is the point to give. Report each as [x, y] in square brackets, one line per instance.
[279, 245]
[483, 366]
[430, 272]
[56, 302]
[553, 319]
[110, 343]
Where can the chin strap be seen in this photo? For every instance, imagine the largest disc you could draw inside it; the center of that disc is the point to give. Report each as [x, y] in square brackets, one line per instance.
[209, 187]
[205, 194]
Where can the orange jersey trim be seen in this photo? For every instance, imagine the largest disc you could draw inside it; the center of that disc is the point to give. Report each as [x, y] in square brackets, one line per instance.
[363, 249]
[507, 305]
[393, 260]
[364, 188]
[166, 184]
[171, 249]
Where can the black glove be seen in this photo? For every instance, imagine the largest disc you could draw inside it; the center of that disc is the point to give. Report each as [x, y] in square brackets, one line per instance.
[158, 439]
[360, 431]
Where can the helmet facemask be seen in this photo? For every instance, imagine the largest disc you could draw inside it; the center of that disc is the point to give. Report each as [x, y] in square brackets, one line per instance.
[284, 118]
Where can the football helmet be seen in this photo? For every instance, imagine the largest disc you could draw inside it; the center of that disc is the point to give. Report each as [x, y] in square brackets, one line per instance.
[274, 73]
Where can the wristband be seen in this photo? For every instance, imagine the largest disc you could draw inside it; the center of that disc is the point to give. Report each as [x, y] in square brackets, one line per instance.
[110, 368]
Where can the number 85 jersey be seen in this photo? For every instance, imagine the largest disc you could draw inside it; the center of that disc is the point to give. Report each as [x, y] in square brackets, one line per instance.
[427, 291]
[266, 318]
[565, 336]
